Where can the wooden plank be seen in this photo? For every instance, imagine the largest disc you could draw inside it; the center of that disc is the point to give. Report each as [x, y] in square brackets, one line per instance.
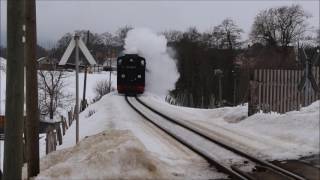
[275, 100]
[292, 90]
[260, 92]
[63, 127]
[267, 90]
[313, 91]
[315, 95]
[274, 90]
[282, 90]
[318, 74]
[285, 91]
[264, 90]
[301, 98]
[270, 90]
[255, 78]
[278, 90]
[58, 133]
[318, 81]
[288, 91]
[289, 99]
[295, 83]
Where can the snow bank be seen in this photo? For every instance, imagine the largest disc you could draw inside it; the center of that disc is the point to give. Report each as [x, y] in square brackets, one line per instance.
[112, 116]
[269, 136]
[112, 154]
[161, 74]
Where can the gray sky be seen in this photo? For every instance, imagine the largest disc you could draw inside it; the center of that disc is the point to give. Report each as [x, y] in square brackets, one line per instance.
[55, 17]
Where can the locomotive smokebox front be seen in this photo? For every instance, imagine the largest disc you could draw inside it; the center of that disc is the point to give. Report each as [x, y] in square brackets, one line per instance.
[131, 74]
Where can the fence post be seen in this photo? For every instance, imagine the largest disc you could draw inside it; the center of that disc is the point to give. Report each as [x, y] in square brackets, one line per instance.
[54, 140]
[58, 130]
[65, 123]
[47, 143]
[253, 95]
[63, 126]
[70, 116]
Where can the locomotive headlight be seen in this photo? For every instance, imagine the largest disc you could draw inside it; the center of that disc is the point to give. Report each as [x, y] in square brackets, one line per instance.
[123, 75]
[119, 61]
[142, 62]
[139, 76]
[131, 60]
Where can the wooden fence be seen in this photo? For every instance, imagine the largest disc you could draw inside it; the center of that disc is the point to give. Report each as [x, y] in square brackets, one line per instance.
[277, 90]
[55, 132]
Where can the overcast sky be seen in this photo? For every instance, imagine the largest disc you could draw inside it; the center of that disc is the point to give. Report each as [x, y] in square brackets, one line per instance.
[55, 17]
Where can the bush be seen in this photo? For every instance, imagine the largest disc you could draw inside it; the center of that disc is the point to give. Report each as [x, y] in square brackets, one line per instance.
[91, 112]
[102, 88]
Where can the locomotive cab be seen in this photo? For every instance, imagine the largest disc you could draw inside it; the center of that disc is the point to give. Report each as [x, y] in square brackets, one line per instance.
[131, 74]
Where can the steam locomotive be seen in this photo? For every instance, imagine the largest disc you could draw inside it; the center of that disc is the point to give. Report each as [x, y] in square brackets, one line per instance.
[131, 74]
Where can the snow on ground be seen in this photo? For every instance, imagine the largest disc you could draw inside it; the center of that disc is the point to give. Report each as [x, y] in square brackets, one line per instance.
[114, 118]
[113, 154]
[269, 136]
[115, 131]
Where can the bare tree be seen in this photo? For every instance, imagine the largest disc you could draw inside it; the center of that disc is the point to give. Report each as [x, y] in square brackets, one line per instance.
[227, 34]
[102, 88]
[121, 34]
[192, 34]
[108, 39]
[51, 92]
[173, 35]
[280, 26]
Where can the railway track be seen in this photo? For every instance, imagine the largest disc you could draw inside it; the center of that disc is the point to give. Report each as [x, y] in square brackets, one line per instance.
[244, 165]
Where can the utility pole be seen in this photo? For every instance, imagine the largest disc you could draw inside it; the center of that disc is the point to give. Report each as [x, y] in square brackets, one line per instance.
[32, 121]
[14, 90]
[110, 68]
[76, 38]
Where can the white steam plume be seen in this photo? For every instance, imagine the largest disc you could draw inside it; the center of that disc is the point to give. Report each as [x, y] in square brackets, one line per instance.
[161, 74]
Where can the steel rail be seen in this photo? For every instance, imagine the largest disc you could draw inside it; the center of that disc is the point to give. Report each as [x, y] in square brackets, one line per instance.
[236, 151]
[233, 174]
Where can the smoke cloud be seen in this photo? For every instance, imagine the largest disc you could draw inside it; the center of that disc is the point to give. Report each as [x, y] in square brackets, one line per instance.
[161, 73]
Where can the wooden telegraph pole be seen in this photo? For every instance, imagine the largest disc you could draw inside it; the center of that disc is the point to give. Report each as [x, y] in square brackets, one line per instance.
[32, 121]
[15, 90]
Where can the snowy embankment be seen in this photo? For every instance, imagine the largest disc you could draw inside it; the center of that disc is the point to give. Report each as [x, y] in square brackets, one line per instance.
[269, 136]
[117, 143]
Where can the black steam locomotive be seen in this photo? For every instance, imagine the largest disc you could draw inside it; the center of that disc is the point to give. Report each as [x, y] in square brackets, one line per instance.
[131, 74]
